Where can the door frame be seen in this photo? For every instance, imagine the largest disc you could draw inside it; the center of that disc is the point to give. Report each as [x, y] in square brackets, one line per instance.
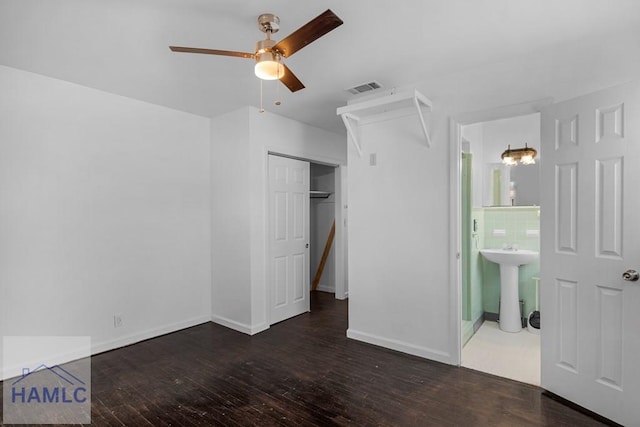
[339, 241]
[455, 267]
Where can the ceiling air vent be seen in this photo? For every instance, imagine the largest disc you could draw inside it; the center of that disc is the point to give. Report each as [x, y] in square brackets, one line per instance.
[365, 87]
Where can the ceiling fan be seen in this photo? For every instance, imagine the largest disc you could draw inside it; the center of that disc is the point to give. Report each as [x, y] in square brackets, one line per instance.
[268, 54]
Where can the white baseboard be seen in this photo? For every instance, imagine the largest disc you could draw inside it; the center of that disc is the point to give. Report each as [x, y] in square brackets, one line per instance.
[145, 335]
[346, 296]
[100, 347]
[256, 329]
[326, 288]
[427, 353]
[240, 327]
[15, 371]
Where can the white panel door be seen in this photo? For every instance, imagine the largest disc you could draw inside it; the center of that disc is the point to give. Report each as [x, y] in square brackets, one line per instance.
[288, 237]
[590, 219]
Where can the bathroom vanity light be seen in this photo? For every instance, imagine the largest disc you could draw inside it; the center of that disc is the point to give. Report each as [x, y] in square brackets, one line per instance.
[526, 156]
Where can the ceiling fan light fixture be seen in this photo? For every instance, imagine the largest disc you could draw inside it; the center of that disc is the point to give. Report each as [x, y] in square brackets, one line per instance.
[268, 66]
[268, 54]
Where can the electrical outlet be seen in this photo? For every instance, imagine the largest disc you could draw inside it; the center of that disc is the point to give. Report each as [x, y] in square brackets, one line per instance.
[117, 320]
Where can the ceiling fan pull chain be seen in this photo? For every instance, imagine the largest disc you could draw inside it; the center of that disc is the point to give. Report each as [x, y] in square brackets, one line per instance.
[261, 105]
[277, 101]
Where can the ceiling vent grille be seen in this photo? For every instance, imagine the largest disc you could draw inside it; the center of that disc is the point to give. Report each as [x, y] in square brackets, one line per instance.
[365, 87]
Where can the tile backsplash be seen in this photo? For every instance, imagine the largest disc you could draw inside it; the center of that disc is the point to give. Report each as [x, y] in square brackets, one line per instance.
[508, 226]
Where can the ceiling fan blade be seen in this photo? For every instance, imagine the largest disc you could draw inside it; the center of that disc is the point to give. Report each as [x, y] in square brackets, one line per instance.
[309, 32]
[290, 80]
[212, 51]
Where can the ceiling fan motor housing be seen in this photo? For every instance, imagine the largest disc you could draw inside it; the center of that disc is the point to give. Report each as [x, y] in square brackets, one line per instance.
[268, 23]
[265, 52]
[265, 46]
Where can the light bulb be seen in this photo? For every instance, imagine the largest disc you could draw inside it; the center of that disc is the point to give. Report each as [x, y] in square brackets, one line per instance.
[509, 161]
[268, 66]
[269, 70]
[527, 160]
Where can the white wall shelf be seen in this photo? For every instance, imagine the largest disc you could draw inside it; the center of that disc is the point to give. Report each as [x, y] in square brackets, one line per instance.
[384, 108]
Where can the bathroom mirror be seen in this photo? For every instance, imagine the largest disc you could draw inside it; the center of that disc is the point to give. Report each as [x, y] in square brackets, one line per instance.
[511, 185]
[526, 183]
[495, 184]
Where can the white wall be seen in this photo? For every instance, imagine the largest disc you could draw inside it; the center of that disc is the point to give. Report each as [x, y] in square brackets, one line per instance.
[342, 250]
[104, 209]
[230, 216]
[243, 139]
[398, 238]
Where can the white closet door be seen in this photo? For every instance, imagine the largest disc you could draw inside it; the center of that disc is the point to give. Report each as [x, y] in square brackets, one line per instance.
[288, 237]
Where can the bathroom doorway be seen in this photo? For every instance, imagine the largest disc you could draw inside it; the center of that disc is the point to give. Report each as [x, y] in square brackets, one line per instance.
[585, 297]
[499, 209]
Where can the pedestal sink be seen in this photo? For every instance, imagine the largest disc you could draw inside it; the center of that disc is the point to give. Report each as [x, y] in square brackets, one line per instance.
[509, 261]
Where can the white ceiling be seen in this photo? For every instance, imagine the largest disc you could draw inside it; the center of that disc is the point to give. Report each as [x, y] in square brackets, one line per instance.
[452, 50]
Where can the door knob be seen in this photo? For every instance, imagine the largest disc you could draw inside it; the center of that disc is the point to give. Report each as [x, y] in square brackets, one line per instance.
[631, 276]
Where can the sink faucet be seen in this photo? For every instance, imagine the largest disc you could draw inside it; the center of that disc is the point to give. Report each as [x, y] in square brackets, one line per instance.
[510, 247]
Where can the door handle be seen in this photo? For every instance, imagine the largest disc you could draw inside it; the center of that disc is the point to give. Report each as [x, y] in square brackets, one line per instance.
[631, 276]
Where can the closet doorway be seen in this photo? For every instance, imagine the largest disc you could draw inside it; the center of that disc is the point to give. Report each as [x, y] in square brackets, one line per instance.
[322, 207]
[306, 234]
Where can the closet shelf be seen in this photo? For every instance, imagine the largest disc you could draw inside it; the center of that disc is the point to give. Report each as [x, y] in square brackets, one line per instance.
[383, 108]
[314, 194]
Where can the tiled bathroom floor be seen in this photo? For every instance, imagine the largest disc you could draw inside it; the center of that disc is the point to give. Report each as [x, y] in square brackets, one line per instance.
[511, 355]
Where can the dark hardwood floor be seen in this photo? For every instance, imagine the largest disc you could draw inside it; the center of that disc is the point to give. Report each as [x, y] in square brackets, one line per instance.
[303, 371]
